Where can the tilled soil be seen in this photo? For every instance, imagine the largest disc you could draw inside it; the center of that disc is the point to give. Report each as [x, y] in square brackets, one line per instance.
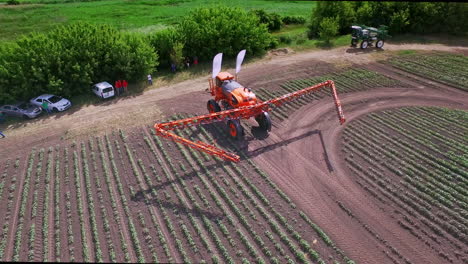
[312, 172]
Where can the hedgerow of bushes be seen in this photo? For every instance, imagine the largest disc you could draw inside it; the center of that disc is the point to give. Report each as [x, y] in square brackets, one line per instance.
[207, 31]
[67, 60]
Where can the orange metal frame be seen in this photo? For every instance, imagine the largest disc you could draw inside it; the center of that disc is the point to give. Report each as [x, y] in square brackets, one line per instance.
[246, 112]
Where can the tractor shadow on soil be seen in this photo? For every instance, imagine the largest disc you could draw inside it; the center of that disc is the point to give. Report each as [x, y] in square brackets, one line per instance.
[358, 50]
[153, 201]
[241, 146]
[261, 150]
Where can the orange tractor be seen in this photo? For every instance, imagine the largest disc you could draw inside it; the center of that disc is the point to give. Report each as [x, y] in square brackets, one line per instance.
[233, 102]
[229, 94]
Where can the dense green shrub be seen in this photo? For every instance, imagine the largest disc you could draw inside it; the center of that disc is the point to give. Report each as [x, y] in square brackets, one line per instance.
[13, 2]
[273, 43]
[328, 29]
[164, 42]
[285, 39]
[288, 20]
[208, 31]
[177, 54]
[342, 11]
[67, 60]
[272, 20]
[401, 17]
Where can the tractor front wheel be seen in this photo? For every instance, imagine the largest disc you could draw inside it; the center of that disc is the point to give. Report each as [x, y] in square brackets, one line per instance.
[364, 44]
[213, 106]
[264, 121]
[235, 129]
[379, 44]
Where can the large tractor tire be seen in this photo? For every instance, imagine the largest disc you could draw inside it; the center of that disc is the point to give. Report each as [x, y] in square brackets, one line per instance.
[364, 44]
[235, 129]
[264, 121]
[213, 106]
[379, 44]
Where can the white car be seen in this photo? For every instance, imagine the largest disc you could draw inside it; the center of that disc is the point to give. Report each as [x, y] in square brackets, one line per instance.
[103, 89]
[56, 103]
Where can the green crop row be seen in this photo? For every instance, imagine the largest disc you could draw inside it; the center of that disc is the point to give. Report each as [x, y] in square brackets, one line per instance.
[451, 69]
[24, 196]
[406, 143]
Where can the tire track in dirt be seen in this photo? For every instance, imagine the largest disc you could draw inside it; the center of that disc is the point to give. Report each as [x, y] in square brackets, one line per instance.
[311, 184]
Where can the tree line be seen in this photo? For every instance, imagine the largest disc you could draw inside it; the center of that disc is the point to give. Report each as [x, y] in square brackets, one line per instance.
[68, 59]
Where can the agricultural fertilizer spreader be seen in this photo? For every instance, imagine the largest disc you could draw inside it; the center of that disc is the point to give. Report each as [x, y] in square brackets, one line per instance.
[368, 35]
[233, 102]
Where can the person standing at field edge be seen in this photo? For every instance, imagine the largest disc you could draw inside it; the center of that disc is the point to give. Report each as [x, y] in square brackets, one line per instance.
[45, 106]
[125, 84]
[195, 60]
[120, 87]
[150, 80]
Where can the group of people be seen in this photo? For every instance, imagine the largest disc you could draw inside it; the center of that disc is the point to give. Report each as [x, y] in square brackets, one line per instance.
[120, 87]
[174, 67]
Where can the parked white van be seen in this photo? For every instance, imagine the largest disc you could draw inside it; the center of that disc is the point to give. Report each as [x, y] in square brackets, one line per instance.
[103, 89]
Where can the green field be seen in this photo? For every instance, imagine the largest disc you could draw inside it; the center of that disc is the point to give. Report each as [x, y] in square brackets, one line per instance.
[131, 15]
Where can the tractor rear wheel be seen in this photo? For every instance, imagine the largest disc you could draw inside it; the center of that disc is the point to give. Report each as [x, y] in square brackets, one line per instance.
[379, 44]
[354, 42]
[364, 44]
[235, 129]
[264, 121]
[213, 106]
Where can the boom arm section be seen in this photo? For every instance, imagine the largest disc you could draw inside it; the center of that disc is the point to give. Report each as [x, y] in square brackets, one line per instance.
[162, 129]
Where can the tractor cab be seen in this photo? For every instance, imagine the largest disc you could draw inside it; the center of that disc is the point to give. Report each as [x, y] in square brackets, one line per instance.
[223, 76]
[356, 31]
[365, 33]
[233, 92]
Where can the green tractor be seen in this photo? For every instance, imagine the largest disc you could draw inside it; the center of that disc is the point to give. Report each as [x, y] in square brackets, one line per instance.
[367, 36]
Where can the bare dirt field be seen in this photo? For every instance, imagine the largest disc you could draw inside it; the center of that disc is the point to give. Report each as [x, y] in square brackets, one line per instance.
[303, 156]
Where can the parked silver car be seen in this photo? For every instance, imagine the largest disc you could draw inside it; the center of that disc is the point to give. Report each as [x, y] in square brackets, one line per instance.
[21, 109]
[55, 103]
